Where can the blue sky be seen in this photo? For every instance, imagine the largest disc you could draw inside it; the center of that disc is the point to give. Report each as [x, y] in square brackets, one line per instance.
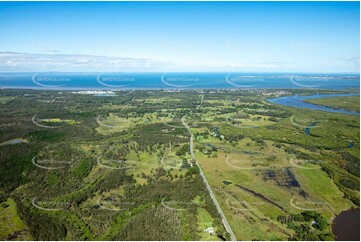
[180, 36]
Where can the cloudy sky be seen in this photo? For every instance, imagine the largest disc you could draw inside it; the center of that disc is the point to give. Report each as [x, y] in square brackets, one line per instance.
[180, 36]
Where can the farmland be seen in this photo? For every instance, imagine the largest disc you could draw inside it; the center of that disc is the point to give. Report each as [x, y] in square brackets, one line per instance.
[120, 167]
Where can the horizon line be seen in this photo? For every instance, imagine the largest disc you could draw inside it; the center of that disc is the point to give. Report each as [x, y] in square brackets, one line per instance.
[211, 72]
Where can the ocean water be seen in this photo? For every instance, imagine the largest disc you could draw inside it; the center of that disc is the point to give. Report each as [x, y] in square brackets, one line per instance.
[124, 81]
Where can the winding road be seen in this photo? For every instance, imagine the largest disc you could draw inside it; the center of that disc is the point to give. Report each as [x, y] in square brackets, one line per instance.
[219, 209]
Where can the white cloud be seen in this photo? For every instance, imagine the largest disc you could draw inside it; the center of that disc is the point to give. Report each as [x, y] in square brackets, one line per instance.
[13, 61]
[354, 60]
[266, 65]
[25, 62]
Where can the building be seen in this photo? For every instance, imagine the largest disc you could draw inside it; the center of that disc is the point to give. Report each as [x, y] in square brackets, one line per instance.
[209, 230]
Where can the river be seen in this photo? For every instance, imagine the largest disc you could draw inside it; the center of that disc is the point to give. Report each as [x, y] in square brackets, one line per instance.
[346, 225]
[298, 102]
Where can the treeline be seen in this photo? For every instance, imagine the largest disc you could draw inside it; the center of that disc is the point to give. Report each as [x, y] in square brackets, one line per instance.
[15, 163]
[149, 136]
[155, 224]
[309, 226]
[154, 221]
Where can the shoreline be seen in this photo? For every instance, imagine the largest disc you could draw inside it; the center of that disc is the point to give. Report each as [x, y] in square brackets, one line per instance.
[297, 101]
[333, 107]
[348, 90]
[333, 222]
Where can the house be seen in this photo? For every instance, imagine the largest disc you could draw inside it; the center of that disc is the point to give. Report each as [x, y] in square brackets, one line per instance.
[209, 230]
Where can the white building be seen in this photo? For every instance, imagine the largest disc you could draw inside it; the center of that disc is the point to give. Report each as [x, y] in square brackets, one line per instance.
[209, 230]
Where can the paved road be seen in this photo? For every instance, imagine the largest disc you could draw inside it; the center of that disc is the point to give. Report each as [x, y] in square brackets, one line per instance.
[224, 219]
[202, 98]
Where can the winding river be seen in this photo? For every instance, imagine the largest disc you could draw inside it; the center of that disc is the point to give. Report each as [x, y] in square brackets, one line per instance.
[346, 225]
[298, 102]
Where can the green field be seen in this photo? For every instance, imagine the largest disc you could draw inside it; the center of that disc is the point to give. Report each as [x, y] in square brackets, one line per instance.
[120, 167]
[12, 227]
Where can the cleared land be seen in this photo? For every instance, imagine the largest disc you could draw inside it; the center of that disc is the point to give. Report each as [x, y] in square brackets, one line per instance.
[120, 167]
